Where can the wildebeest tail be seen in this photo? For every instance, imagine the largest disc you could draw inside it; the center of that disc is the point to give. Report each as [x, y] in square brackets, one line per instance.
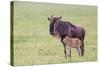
[82, 46]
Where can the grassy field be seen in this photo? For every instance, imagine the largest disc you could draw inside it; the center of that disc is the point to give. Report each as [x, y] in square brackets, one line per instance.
[34, 45]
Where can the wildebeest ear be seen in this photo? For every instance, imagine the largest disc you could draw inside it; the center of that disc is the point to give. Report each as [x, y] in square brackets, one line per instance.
[60, 17]
[49, 18]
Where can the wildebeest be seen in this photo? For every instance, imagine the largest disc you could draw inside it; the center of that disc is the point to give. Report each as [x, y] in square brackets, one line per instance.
[62, 29]
[72, 43]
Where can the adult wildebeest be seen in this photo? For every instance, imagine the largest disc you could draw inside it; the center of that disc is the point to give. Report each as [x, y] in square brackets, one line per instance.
[72, 43]
[65, 28]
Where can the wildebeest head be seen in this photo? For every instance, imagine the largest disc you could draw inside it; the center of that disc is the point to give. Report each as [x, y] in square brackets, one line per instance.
[52, 20]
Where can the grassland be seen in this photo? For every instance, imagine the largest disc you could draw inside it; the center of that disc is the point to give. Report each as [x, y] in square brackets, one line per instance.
[34, 45]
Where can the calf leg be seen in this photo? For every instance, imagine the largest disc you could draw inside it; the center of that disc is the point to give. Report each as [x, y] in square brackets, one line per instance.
[68, 52]
[79, 51]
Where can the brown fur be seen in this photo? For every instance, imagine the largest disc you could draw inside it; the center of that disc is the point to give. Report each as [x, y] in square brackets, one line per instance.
[72, 43]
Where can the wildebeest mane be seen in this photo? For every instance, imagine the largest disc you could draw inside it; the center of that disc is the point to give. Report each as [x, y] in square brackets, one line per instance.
[63, 27]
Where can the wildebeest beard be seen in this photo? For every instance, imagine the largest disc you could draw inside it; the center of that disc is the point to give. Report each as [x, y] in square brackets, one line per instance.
[51, 29]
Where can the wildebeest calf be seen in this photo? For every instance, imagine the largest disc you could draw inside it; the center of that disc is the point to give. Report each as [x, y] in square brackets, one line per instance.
[72, 43]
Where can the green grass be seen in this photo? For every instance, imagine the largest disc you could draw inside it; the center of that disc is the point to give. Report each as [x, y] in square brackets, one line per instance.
[34, 45]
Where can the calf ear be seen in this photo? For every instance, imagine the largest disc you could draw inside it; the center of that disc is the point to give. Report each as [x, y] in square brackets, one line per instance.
[49, 18]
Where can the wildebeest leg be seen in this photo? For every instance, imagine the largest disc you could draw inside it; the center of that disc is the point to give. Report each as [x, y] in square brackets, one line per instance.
[64, 48]
[65, 51]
